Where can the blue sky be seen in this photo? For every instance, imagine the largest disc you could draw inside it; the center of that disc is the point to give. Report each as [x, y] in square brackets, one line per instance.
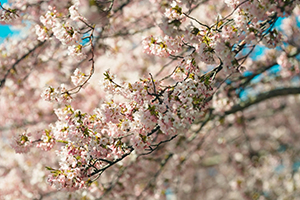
[5, 31]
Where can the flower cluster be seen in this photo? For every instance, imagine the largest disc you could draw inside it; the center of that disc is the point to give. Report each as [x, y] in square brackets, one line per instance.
[74, 14]
[75, 52]
[117, 128]
[174, 13]
[66, 33]
[22, 142]
[62, 30]
[68, 176]
[78, 78]
[59, 94]
[47, 141]
[7, 14]
[49, 20]
[206, 54]
[155, 46]
[162, 47]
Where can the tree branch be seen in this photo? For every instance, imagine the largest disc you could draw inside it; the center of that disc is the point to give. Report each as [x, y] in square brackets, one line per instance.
[262, 97]
[2, 81]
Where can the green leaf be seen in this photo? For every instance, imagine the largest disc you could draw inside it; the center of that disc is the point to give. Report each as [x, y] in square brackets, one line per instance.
[49, 168]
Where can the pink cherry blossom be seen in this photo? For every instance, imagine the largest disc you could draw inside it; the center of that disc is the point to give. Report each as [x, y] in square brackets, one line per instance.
[146, 99]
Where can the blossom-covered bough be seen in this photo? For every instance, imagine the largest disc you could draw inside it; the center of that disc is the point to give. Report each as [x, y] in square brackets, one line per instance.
[175, 78]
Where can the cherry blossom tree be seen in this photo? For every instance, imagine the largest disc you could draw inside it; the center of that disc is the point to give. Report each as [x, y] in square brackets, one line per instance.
[138, 99]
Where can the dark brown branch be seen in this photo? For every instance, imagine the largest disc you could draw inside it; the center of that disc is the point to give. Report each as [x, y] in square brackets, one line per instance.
[2, 82]
[231, 12]
[192, 18]
[263, 96]
[78, 88]
[157, 145]
[111, 164]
